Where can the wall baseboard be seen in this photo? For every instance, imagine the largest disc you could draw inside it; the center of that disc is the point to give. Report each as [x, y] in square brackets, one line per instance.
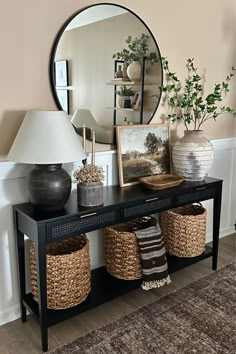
[10, 314]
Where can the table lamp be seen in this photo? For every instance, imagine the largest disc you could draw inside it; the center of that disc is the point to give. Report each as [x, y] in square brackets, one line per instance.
[47, 139]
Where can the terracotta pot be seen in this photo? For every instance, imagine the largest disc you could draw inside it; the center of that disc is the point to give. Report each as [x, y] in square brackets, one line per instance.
[192, 156]
[90, 194]
[134, 71]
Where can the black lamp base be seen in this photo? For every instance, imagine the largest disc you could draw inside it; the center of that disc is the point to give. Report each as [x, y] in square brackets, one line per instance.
[49, 187]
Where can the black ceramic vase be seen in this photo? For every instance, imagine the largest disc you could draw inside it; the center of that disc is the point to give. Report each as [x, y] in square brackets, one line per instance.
[49, 187]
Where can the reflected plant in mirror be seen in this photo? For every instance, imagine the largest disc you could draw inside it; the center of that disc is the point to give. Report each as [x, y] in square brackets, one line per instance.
[138, 49]
[88, 40]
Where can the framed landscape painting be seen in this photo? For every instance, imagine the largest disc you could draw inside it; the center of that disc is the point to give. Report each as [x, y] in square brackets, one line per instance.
[143, 150]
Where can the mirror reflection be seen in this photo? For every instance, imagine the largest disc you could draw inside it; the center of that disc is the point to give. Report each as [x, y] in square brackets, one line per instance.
[91, 74]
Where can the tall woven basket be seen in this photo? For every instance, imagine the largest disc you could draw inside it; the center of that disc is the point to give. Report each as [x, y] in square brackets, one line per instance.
[68, 272]
[184, 230]
[122, 256]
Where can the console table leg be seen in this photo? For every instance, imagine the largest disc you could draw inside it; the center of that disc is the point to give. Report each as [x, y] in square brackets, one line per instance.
[21, 262]
[42, 288]
[216, 226]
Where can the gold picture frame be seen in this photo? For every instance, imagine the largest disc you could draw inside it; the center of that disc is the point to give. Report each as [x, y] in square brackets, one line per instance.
[142, 150]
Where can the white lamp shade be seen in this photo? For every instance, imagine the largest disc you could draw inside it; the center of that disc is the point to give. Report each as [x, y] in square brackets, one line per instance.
[46, 137]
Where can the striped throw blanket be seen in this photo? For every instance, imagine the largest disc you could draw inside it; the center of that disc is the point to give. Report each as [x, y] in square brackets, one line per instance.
[153, 257]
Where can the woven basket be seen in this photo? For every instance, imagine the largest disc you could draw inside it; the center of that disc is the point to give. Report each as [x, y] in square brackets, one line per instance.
[68, 272]
[122, 257]
[184, 230]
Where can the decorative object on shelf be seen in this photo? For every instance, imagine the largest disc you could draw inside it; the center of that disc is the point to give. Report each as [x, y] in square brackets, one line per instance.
[124, 72]
[61, 73]
[119, 80]
[84, 138]
[161, 181]
[138, 49]
[89, 180]
[184, 230]
[122, 256]
[143, 150]
[134, 71]
[124, 94]
[137, 99]
[93, 148]
[119, 73]
[68, 272]
[47, 139]
[193, 154]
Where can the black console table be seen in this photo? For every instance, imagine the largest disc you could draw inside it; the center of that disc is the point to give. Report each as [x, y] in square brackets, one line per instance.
[120, 205]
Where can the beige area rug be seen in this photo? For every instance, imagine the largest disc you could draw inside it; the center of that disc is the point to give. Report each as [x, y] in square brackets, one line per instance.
[198, 318]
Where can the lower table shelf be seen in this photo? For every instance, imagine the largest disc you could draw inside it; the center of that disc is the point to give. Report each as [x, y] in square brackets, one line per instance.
[105, 288]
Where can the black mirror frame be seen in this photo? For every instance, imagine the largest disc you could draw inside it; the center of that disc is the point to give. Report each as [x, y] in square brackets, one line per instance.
[58, 37]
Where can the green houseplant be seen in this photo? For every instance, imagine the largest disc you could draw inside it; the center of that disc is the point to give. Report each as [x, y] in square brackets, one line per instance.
[187, 102]
[192, 155]
[89, 179]
[125, 91]
[133, 56]
[137, 50]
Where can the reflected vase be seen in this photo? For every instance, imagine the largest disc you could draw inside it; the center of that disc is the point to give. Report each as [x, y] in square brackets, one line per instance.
[134, 71]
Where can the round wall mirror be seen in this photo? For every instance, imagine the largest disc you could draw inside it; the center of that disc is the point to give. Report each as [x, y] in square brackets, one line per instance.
[90, 70]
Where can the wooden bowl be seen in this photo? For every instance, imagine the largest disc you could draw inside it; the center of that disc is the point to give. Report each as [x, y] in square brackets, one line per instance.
[161, 181]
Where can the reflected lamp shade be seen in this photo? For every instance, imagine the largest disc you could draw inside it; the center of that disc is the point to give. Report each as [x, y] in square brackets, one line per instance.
[104, 134]
[83, 116]
[47, 139]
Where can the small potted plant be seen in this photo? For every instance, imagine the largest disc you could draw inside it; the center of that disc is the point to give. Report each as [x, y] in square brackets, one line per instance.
[133, 57]
[124, 96]
[89, 179]
[193, 154]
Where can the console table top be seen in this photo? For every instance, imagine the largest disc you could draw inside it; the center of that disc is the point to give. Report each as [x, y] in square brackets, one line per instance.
[112, 195]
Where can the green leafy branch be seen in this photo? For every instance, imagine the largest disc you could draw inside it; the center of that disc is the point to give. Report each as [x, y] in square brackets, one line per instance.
[138, 48]
[188, 103]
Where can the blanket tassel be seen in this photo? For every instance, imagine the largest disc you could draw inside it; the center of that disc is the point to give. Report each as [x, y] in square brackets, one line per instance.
[156, 283]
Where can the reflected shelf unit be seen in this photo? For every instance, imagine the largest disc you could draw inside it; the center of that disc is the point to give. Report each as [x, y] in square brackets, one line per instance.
[140, 83]
[129, 83]
[129, 109]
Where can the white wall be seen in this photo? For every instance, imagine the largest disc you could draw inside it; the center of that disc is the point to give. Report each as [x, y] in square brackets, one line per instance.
[12, 191]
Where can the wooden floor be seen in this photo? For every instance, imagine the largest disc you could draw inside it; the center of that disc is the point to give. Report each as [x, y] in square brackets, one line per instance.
[24, 338]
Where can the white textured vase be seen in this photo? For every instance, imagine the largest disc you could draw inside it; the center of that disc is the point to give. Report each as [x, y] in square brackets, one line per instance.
[134, 71]
[192, 156]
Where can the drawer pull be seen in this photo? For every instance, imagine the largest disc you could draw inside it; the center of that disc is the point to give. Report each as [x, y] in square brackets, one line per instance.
[88, 215]
[151, 199]
[200, 188]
